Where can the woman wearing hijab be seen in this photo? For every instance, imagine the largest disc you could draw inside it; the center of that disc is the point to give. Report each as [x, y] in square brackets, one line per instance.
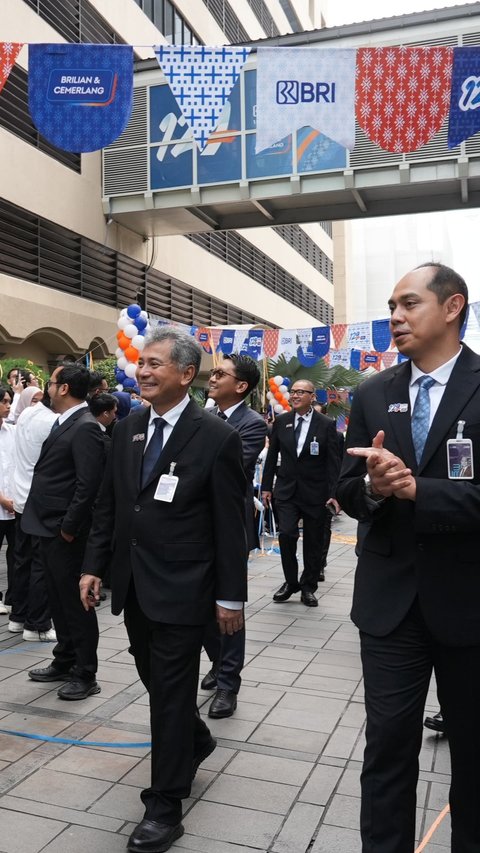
[28, 397]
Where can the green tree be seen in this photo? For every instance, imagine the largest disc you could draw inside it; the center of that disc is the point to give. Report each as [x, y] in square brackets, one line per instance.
[107, 367]
[6, 364]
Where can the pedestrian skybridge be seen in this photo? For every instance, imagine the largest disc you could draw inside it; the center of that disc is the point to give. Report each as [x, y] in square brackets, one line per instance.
[156, 182]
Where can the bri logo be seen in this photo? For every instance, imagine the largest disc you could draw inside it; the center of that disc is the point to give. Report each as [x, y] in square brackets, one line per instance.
[303, 92]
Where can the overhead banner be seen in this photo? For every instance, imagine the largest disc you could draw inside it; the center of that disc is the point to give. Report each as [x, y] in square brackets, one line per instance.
[464, 119]
[201, 79]
[80, 95]
[403, 94]
[305, 87]
[8, 55]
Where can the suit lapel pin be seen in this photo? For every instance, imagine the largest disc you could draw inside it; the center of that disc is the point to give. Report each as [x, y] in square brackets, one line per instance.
[139, 436]
[397, 407]
[288, 426]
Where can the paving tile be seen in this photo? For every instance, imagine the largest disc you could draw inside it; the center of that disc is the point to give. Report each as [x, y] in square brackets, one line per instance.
[231, 728]
[103, 734]
[255, 765]
[122, 801]
[343, 811]
[228, 823]
[60, 813]
[93, 763]
[298, 830]
[61, 789]
[321, 784]
[332, 839]
[139, 714]
[342, 742]
[34, 834]
[289, 738]
[262, 696]
[20, 690]
[252, 794]
[326, 684]
[196, 844]
[276, 651]
[321, 715]
[76, 839]
[268, 676]
[12, 748]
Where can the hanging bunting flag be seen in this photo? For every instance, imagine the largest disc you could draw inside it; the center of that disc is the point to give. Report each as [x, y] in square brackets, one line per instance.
[464, 119]
[389, 358]
[339, 331]
[226, 341]
[359, 335]
[270, 342]
[402, 94]
[305, 87]
[340, 357]
[8, 55]
[253, 345]
[239, 340]
[321, 340]
[203, 337]
[381, 336]
[201, 78]
[287, 343]
[370, 359]
[80, 95]
[215, 335]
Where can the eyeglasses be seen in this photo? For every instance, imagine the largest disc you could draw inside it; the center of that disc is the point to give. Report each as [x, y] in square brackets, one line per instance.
[51, 382]
[219, 373]
[299, 393]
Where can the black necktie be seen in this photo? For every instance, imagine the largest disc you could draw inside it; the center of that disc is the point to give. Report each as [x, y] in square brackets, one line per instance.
[298, 430]
[222, 415]
[55, 425]
[153, 451]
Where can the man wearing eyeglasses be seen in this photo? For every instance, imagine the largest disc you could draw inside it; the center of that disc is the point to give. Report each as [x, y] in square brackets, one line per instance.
[305, 484]
[229, 386]
[59, 511]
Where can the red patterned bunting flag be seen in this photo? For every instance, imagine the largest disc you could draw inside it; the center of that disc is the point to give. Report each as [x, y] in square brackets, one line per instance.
[270, 342]
[215, 335]
[338, 331]
[370, 359]
[389, 358]
[403, 94]
[203, 337]
[8, 55]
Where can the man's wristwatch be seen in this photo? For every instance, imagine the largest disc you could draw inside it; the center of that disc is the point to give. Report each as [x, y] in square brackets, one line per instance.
[369, 489]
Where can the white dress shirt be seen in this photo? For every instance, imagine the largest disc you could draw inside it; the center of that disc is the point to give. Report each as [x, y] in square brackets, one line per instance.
[33, 427]
[307, 417]
[231, 409]
[441, 375]
[63, 417]
[7, 466]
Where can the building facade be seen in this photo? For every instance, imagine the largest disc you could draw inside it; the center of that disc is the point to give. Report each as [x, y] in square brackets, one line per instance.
[66, 269]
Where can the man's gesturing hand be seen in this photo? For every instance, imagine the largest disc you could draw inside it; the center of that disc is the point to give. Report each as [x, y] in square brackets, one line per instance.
[388, 473]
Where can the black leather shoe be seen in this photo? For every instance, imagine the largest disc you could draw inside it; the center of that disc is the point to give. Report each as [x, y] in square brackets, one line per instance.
[285, 591]
[49, 673]
[77, 689]
[223, 705]
[436, 723]
[150, 836]
[308, 598]
[209, 681]
[321, 576]
[202, 754]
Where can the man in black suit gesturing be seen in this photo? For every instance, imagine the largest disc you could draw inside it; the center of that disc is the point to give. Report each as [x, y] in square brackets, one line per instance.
[229, 385]
[172, 507]
[59, 510]
[306, 482]
[417, 584]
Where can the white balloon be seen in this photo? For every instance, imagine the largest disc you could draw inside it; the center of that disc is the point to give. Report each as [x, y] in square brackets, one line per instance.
[139, 342]
[286, 394]
[130, 330]
[122, 362]
[144, 315]
[269, 395]
[118, 352]
[282, 389]
[278, 408]
[131, 370]
[278, 380]
[123, 321]
[119, 387]
[123, 312]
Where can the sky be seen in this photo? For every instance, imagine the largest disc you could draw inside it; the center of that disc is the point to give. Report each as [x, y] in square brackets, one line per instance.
[349, 11]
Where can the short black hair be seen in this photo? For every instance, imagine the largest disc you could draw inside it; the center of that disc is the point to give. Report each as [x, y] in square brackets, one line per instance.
[96, 379]
[446, 282]
[77, 377]
[246, 370]
[5, 389]
[102, 403]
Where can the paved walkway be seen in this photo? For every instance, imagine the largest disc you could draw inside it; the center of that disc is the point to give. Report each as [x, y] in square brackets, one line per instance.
[285, 775]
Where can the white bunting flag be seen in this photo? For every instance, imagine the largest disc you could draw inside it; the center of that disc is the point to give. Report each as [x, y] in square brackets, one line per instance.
[305, 87]
[201, 79]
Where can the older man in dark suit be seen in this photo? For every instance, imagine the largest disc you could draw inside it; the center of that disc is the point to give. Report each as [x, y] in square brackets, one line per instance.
[230, 384]
[59, 510]
[172, 505]
[417, 584]
[306, 482]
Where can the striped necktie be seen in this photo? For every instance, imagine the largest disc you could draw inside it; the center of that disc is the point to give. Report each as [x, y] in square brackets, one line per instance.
[421, 415]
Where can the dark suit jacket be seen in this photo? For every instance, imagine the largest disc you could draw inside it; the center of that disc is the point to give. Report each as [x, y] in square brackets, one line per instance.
[429, 548]
[252, 430]
[307, 480]
[182, 555]
[66, 478]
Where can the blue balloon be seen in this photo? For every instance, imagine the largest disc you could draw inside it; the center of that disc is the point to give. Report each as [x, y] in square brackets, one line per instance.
[140, 322]
[286, 381]
[129, 383]
[120, 375]
[133, 310]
